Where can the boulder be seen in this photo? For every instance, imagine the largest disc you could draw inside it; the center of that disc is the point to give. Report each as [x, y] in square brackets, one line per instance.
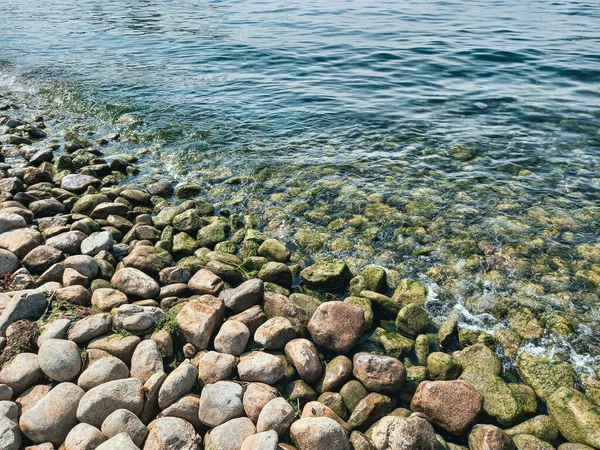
[378, 373]
[337, 326]
[545, 375]
[28, 304]
[275, 333]
[136, 283]
[199, 318]
[214, 366]
[489, 437]
[261, 367]
[246, 295]
[172, 433]
[177, 384]
[148, 259]
[220, 402]
[312, 433]
[60, 359]
[577, 417]
[84, 437]
[102, 371]
[41, 258]
[404, 433]
[96, 242]
[124, 421]
[230, 435]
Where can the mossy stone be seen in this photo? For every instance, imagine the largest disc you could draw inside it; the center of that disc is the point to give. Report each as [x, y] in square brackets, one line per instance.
[443, 366]
[542, 427]
[352, 393]
[545, 375]
[577, 417]
[369, 410]
[529, 442]
[272, 287]
[334, 401]
[375, 279]
[299, 392]
[212, 234]
[414, 376]
[307, 302]
[412, 320]
[410, 291]
[448, 332]
[526, 396]
[479, 358]
[365, 305]
[274, 250]
[423, 347]
[188, 221]
[184, 244]
[329, 275]
[394, 344]
[467, 337]
[382, 302]
[278, 273]
[524, 322]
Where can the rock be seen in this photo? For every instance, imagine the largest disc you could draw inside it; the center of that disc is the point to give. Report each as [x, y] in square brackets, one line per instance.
[204, 282]
[135, 282]
[96, 242]
[178, 383]
[99, 402]
[327, 275]
[185, 408]
[6, 392]
[319, 432]
[41, 258]
[252, 318]
[545, 375]
[124, 421]
[31, 396]
[25, 305]
[78, 183]
[266, 440]
[336, 326]
[68, 243]
[21, 373]
[276, 305]
[146, 360]
[404, 433]
[489, 437]
[161, 188]
[152, 388]
[106, 209]
[577, 417]
[246, 295]
[10, 221]
[84, 264]
[60, 359]
[277, 415]
[220, 402]
[214, 366]
[138, 318]
[276, 273]
[121, 441]
[261, 367]
[105, 299]
[318, 409]
[369, 410]
[199, 318]
[275, 333]
[452, 405]
[412, 320]
[102, 371]
[337, 372]
[10, 435]
[256, 396]
[84, 437]
[8, 262]
[305, 358]
[172, 433]
[528, 442]
[76, 294]
[542, 427]
[359, 441]
[231, 434]
[89, 327]
[176, 274]
[51, 418]
[117, 345]
[274, 250]
[377, 373]
[443, 366]
[232, 338]
[47, 207]
[148, 259]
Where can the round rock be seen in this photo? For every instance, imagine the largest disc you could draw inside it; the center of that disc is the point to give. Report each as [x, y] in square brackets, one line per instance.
[60, 359]
[337, 326]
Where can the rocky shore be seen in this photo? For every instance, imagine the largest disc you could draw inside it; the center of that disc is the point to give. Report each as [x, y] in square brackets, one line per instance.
[142, 317]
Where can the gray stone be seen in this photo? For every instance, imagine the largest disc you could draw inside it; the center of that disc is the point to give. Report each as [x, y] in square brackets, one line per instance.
[28, 304]
[22, 372]
[135, 282]
[102, 371]
[199, 318]
[78, 183]
[60, 359]
[244, 296]
[96, 242]
[178, 383]
[8, 262]
[231, 435]
[232, 338]
[277, 415]
[10, 435]
[84, 437]
[305, 358]
[84, 264]
[261, 367]
[20, 242]
[146, 360]
[124, 421]
[86, 329]
[69, 242]
[172, 433]
[6, 392]
[121, 441]
[214, 366]
[312, 433]
[10, 221]
[220, 402]
[56, 329]
[404, 433]
[138, 318]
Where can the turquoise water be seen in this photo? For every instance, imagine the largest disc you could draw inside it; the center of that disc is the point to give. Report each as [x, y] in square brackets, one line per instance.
[455, 142]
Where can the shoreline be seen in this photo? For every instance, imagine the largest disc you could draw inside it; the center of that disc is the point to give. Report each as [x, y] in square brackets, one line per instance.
[127, 273]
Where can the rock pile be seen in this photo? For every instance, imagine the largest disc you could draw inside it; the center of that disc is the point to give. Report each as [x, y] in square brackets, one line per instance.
[138, 318]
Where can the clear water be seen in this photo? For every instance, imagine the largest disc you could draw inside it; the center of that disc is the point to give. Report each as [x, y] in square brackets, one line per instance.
[453, 141]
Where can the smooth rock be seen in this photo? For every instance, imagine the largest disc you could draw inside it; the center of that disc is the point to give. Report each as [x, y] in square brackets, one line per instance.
[28, 304]
[178, 383]
[135, 282]
[84, 437]
[232, 338]
[172, 433]
[199, 318]
[22, 372]
[60, 359]
[246, 295]
[305, 358]
[379, 373]
[277, 415]
[231, 435]
[404, 433]
[146, 360]
[124, 421]
[102, 371]
[319, 433]
[261, 367]
[275, 333]
[336, 326]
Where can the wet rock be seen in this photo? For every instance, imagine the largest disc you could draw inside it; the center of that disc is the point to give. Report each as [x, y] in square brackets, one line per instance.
[178, 383]
[577, 417]
[261, 367]
[60, 359]
[84, 437]
[275, 333]
[327, 275]
[545, 375]
[244, 296]
[452, 405]
[102, 371]
[21, 241]
[369, 410]
[232, 338]
[27, 304]
[377, 373]
[46, 207]
[542, 427]
[231, 434]
[161, 188]
[336, 326]
[277, 415]
[22, 372]
[412, 320]
[138, 318]
[88, 328]
[528, 442]
[319, 432]
[443, 366]
[135, 282]
[199, 318]
[410, 291]
[489, 437]
[51, 419]
[267, 440]
[220, 402]
[78, 183]
[146, 360]
[99, 402]
[277, 273]
[274, 250]
[124, 421]
[305, 358]
[171, 433]
[106, 299]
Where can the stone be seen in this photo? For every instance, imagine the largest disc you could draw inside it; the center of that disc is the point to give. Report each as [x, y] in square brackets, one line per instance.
[121, 441]
[178, 383]
[52, 418]
[261, 367]
[412, 320]
[10, 435]
[41, 258]
[404, 433]
[378, 373]
[337, 372]
[84, 264]
[232, 338]
[199, 318]
[577, 417]
[318, 409]
[6, 392]
[489, 437]
[146, 360]
[246, 295]
[276, 305]
[46, 207]
[96, 242]
[545, 375]
[138, 318]
[276, 273]
[8, 262]
[443, 366]
[204, 282]
[136, 283]
[21, 373]
[410, 291]
[11, 221]
[161, 188]
[452, 405]
[148, 259]
[86, 329]
[31, 396]
[78, 183]
[151, 389]
[214, 366]
[329, 275]
[267, 440]
[275, 333]
[256, 396]
[124, 421]
[185, 408]
[252, 318]
[84, 437]
[230, 435]
[106, 299]
[106, 209]
[336, 326]
[172, 433]
[277, 415]
[24, 305]
[542, 427]
[102, 371]
[117, 345]
[274, 250]
[319, 432]
[68, 243]
[369, 410]
[99, 402]
[359, 441]
[528, 442]
[220, 402]
[305, 358]
[60, 359]
[176, 274]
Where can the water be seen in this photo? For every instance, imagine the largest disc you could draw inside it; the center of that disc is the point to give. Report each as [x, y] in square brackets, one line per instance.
[455, 142]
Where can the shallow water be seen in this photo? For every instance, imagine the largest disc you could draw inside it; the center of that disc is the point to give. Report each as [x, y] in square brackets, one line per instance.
[456, 142]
